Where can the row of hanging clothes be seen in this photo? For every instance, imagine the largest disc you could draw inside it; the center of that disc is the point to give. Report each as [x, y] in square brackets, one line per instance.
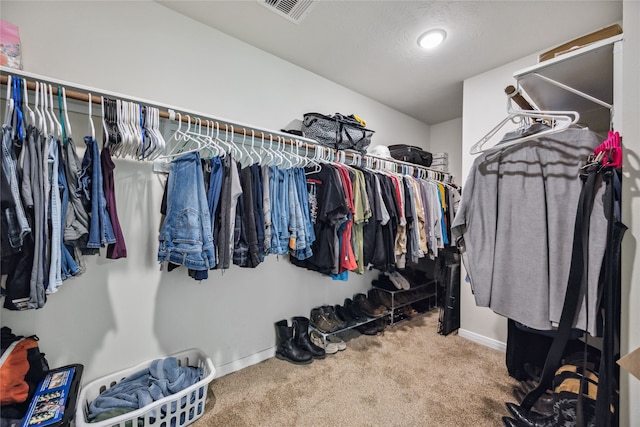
[366, 218]
[227, 203]
[57, 207]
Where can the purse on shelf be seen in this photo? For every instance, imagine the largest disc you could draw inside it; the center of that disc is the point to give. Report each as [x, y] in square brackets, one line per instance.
[338, 131]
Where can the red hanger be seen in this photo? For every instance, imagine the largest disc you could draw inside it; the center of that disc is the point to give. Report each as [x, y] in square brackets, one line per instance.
[612, 149]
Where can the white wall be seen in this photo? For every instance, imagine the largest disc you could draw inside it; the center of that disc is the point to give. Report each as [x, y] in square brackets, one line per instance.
[446, 137]
[630, 386]
[127, 311]
[484, 106]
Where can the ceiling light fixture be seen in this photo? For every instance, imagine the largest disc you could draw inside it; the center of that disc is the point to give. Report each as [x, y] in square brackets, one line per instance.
[432, 38]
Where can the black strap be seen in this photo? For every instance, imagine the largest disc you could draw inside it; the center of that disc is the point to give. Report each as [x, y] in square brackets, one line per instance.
[578, 276]
[611, 289]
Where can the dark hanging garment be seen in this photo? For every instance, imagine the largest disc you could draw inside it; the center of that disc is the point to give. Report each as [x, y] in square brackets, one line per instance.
[369, 229]
[408, 213]
[328, 207]
[118, 249]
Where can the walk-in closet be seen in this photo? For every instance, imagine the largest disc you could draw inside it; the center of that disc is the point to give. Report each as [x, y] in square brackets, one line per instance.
[239, 213]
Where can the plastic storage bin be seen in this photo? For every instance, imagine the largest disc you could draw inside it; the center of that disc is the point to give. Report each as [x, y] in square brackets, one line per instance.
[170, 411]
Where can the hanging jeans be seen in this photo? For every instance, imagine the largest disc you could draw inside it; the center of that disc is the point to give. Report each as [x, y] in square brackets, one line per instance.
[91, 186]
[18, 226]
[185, 237]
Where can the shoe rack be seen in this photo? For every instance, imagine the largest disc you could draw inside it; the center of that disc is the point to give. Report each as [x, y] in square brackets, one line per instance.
[403, 298]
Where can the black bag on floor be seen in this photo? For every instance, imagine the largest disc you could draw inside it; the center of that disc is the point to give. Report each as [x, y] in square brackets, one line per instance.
[411, 154]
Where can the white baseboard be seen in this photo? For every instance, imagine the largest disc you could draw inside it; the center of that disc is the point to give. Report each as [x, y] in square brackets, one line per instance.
[245, 362]
[480, 339]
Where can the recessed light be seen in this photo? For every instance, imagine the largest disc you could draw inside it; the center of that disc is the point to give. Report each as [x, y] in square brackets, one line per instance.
[432, 38]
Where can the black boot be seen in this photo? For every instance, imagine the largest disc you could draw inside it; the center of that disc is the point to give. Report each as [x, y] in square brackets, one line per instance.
[302, 339]
[287, 348]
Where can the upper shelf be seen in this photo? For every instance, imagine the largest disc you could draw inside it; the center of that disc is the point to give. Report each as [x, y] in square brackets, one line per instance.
[553, 84]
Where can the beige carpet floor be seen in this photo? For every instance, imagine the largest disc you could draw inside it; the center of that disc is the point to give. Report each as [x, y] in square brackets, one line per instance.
[407, 376]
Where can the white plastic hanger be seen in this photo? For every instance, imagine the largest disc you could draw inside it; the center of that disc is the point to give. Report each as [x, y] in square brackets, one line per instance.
[32, 117]
[91, 126]
[560, 120]
[10, 104]
[49, 127]
[67, 122]
[58, 125]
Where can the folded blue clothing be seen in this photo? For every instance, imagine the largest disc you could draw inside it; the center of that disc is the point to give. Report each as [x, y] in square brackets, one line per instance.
[162, 378]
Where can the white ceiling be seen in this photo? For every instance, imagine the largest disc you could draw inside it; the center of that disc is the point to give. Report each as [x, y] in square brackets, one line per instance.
[370, 46]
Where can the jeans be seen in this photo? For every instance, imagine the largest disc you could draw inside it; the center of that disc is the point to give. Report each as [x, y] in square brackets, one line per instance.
[91, 187]
[20, 227]
[279, 193]
[185, 237]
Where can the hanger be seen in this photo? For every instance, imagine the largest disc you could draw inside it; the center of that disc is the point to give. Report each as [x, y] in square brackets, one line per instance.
[58, 125]
[68, 131]
[10, 103]
[32, 117]
[560, 120]
[183, 139]
[44, 93]
[611, 150]
[91, 126]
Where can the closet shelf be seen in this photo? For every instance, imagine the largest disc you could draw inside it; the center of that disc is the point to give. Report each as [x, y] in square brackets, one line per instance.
[581, 80]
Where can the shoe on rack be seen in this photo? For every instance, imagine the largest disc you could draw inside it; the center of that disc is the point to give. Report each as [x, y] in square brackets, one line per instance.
[353, 310]
[361, 301]
[383, 282]
[381, 324]
[329, 347]
[301, 337]
[368, 328]
[334, 339]
[287, 349]
[330, 312]
[409, 311]
[379, 298]
[320, 320]
[344, 315]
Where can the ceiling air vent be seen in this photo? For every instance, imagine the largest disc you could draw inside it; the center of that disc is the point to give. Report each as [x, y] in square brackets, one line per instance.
[293, 10]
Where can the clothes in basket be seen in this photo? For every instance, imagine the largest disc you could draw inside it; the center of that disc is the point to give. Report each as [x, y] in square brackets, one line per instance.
[163, 378]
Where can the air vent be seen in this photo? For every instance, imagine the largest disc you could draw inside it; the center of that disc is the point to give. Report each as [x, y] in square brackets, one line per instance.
[293, 10]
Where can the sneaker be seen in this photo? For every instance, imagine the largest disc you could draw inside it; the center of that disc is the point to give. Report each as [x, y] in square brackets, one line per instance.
[333, 339]
[329, 347]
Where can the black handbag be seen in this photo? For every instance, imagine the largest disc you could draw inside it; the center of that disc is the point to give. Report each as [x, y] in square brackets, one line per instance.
[338, 131]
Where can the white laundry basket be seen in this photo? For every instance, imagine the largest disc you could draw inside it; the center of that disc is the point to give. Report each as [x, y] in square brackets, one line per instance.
[170, 411]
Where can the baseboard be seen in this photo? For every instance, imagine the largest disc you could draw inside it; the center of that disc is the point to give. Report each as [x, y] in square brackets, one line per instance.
[245, 362]
[480, 339]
